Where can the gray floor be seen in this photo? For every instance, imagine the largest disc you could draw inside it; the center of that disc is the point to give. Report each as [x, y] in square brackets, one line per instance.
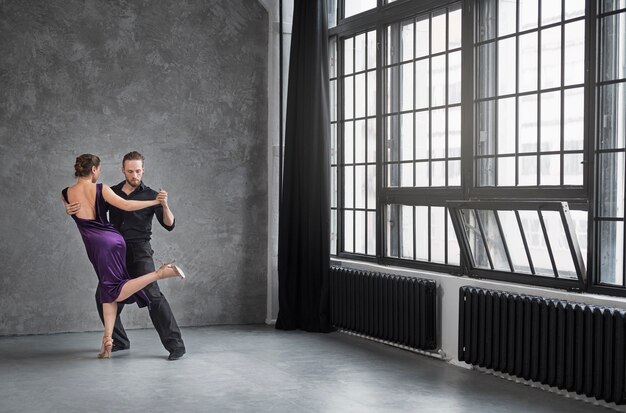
[251, 369]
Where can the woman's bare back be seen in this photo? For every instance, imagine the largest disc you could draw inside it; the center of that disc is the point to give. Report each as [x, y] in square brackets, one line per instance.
[85, 193]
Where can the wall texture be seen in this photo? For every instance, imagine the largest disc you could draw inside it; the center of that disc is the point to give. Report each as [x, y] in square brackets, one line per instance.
[183, 82]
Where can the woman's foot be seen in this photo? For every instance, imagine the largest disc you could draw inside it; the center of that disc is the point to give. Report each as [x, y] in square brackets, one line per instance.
[169, 270]
[105, 348]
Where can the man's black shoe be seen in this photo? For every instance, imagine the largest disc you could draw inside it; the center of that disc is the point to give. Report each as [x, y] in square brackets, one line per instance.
[119, 348]
[176, 354]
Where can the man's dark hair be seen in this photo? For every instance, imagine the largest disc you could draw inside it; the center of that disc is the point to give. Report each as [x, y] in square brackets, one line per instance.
[133, 156]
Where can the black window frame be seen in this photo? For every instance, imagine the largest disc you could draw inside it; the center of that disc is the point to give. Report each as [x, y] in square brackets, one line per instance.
[577, 197]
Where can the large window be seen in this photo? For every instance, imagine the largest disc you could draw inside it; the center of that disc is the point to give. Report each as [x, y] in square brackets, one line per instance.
[516, 103]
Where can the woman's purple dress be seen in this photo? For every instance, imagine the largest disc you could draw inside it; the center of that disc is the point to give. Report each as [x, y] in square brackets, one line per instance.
[106, 250]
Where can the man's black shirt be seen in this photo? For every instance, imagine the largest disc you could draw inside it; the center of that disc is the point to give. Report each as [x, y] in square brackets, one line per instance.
[136, 226]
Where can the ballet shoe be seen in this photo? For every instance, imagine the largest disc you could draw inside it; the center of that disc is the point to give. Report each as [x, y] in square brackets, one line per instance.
[106, 348]
[178, 272]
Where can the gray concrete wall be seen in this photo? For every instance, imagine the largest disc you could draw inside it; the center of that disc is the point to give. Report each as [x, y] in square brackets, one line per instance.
[185, 83]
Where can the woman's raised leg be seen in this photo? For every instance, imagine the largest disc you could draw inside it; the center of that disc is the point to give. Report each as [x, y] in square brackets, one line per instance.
[139, 283]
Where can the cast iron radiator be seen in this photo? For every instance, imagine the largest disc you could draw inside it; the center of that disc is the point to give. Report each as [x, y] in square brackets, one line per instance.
[392, 308]
[571, 346]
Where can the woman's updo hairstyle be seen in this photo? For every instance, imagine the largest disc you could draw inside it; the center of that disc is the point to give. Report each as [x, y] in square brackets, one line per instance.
[84, 163]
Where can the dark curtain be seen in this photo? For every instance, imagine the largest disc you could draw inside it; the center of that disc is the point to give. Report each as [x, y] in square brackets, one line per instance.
[304, 221]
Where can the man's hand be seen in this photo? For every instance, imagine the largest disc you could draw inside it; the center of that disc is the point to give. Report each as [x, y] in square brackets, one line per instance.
[72, 208]
[162, 197]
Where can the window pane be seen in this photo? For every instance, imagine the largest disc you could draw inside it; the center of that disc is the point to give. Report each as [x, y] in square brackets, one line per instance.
[359, 99]
[348, 97]
[371, 140]
[454, 29]
[333, 232]
[527, 123]
[371, 50]
[550, 11]
[574, 116]
[573, 169]
[506, 17]
[574, 8]
[611, 185]
[528, 54]
[422, 36]
[506, 171]
[486, 17]
[391, 220]
[438, 92]
[406, 136]
[528, 14]
[406, 174]
[348, 142]
[422, 86]
[527, 170]
[353, 7]
[437, 235]
[438, 128]
[613, 47]
[392, 138]
[558, 242]
[422, 145]
[438, 37]
[333, 144]
[407, 38]
[371, 233]
[514, 241]
[506, 126]
[359, 186]
[371, 93]
[486, 173]
[422, 174]
[454, 173]
[348, 56]
[454, 252]
[406, 232]
[612, 116]
[486, 128]
[551, 121]
[359, 232]
[536, 242]
[550, 170]
[550, 56]
[421, 233]
[359, 53]
[474, 238]
[494, 240]
[454, 132]
[579, 219]
[360, 138]
[438, 173]
[371, 187]
[574, 52]
[486, 70]
[611, 251]
[506, 66]
[348, 231]
[348, 186]
[392, 76]
[392, 175]
[454, 78]
[333, 187]
[406, 90]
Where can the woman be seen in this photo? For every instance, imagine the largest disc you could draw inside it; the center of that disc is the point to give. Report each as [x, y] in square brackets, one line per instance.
[105, 246]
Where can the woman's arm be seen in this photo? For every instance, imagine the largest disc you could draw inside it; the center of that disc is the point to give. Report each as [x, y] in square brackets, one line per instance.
[127, 205]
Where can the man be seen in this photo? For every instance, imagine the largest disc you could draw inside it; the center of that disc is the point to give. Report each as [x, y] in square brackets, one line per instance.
[136, 228]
